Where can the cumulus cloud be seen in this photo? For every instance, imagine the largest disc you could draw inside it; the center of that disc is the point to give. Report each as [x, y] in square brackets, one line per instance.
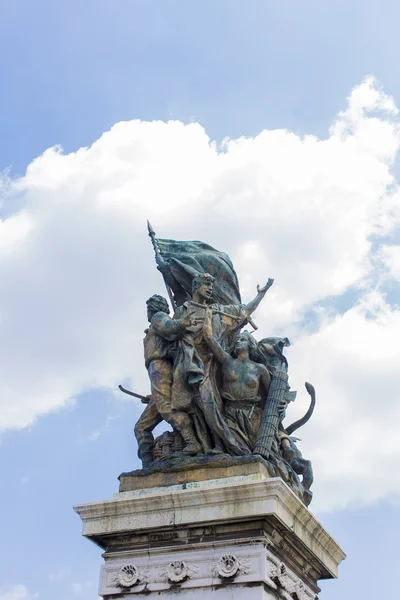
[353, 436]
[390, 256]
[16, 592]
[76, 265]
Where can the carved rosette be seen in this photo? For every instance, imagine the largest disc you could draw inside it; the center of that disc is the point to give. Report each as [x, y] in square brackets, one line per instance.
[177, 571]
[228, 566]
[127, 576]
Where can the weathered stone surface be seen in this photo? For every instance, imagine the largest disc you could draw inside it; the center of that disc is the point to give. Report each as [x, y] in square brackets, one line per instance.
[225, 571]
[276, 542]
[193, 469]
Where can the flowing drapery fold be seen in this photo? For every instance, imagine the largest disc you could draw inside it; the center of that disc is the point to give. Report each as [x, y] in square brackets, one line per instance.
[187, 259]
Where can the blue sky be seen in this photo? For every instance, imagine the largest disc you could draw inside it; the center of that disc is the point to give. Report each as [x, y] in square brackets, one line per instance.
[71, 70]
[72, 312]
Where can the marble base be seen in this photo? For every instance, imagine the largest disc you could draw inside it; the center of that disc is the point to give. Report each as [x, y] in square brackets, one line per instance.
[240, 536]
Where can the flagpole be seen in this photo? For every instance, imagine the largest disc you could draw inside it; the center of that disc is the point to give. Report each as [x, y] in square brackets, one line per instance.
[158, 256]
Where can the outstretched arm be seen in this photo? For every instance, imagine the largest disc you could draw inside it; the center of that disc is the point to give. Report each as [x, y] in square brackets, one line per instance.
[215, 347]
[253, 304]
[171, 329]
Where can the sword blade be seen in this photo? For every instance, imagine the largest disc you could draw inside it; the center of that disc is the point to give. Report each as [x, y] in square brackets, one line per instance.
[134, 394]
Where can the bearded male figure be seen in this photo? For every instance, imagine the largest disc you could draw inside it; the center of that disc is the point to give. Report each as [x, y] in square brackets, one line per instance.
[195, 377]
[161, 334]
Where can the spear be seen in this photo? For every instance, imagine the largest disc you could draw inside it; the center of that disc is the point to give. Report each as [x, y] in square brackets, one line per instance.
[158, 257]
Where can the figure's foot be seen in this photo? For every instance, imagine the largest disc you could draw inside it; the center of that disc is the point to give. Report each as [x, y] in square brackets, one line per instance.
[192, 448]
[216, 451]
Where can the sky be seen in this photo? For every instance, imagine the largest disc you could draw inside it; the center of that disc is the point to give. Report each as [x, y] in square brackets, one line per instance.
[269, 130]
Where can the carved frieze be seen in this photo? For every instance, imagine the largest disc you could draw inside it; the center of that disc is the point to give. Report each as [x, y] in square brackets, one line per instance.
[203, 568]
[289, 585]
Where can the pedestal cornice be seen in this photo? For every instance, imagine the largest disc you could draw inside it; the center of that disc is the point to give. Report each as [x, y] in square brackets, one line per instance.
[215, 502]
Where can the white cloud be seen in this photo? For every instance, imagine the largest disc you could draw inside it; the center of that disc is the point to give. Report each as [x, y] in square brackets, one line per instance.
[16, 592]
[353, 436]
[390, 256]
[76, 265]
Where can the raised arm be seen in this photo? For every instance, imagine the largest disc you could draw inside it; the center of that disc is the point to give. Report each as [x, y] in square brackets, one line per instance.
[214, 346]
[253, 304]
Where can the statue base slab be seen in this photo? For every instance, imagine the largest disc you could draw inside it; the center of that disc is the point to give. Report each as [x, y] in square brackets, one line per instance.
[235, 535]
[186, 469]
[191, 469]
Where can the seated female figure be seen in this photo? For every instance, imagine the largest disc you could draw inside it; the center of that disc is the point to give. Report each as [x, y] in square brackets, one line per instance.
[242, 378]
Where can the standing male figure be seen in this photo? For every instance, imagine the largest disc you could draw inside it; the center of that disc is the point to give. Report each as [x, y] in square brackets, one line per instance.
[158, 342]
[195, 382]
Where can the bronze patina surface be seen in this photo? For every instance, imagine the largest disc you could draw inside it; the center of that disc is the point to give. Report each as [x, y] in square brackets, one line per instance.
[223, 392]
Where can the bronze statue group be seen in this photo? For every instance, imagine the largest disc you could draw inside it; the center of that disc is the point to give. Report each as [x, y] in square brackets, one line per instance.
[221, 391]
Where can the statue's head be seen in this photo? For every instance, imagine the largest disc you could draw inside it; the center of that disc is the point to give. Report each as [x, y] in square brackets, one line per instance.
[156, 304]
[202, 287]
[244, 340]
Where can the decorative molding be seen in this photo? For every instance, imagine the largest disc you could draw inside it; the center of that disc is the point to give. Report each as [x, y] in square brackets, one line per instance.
[127, 576]
[177, 571]
[244, 499]
[288, 584]
[235, 564]
[279, 575]
[300, 591]
[306, 570]
[228, 566]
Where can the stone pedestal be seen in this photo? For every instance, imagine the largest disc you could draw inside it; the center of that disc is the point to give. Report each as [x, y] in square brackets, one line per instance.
[229, 533]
